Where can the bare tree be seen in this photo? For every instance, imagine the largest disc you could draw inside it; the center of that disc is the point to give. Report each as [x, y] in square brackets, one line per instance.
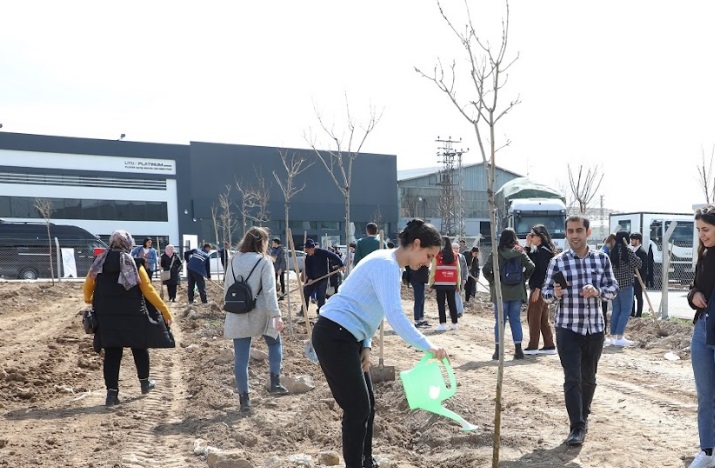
[293, 165]
[262, 195]
[487, 76]
[248, 204]
[346, 148]
[215, 221]
[584, 186]
[45, 209]
[227, 224]
[705, 177]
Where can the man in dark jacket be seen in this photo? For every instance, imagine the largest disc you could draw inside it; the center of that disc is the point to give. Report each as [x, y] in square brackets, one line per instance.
[198, 267]
[278, 254]
[418, 279]
[317, 264]
[636, 243]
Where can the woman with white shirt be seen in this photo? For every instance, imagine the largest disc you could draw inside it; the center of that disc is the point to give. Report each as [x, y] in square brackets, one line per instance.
[343, 334]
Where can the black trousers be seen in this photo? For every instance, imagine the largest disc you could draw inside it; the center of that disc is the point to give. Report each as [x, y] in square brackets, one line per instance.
[604, 307]
[320, 287]
[579, 356]
[171, 289]
[446, 292]
[196, 279]
[638, 303]
[470, 289]
[339, 356]
[282, 280]
[113, 359]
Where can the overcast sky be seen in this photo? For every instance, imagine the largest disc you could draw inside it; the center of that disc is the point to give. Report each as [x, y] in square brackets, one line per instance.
[625, 85]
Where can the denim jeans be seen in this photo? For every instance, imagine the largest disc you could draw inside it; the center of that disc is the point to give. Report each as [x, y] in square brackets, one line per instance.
[242, 353]
[339, 356]
[419, 291]
[702, 358]
[622, 305]
[512, 313]
[579, 356]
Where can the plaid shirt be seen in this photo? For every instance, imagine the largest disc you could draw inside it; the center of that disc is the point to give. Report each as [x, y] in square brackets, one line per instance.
[579, 314]
[625, 272]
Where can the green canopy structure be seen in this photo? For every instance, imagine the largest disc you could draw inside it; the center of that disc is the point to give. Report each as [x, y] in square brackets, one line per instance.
[523, 187]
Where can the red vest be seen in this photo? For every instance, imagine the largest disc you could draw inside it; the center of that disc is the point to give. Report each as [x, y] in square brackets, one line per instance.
[445, 274]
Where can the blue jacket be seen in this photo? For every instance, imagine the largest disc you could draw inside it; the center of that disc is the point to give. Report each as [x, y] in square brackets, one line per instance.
[198, 261]
[151, 257]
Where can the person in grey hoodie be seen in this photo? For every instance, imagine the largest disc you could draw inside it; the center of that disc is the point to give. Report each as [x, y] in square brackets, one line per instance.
[513, 295]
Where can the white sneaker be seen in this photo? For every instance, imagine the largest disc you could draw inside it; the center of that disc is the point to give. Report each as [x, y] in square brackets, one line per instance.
[622, 342]
[702, 460]
[441, 327]
[609, 342]
[454, 326]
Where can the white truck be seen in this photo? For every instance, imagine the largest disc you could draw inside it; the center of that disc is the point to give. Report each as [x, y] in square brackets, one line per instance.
[522, 203]
[653, 227]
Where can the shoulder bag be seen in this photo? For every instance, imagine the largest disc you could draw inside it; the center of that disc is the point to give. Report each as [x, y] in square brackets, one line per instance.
[166, 274]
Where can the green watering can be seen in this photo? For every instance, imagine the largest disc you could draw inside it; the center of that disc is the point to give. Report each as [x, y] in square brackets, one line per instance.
[426, 389]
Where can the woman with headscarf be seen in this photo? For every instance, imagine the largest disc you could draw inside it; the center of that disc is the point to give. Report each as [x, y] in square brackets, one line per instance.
[116, 288]
[171, 262]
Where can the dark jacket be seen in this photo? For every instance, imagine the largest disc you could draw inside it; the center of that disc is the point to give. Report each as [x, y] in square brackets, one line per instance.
[321, 263]
[419, 276]
[541, 258]
[510, 292]
[199, 262]
[643, 270]
[123, 320]
[175, 267]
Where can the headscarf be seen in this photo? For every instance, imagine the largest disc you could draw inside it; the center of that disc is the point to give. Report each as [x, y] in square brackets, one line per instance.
[169, 250]
[121, 241]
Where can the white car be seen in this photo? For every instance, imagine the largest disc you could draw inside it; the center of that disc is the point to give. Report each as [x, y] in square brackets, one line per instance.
[215, 261]
[300, 256]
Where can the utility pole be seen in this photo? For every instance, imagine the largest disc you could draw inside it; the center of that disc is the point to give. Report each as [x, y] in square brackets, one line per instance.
[451, 179]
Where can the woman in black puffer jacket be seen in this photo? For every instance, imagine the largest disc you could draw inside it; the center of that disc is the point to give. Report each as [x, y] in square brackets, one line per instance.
[116, 288]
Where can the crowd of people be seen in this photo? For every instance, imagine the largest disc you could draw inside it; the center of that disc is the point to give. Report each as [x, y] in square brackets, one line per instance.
[578, 282]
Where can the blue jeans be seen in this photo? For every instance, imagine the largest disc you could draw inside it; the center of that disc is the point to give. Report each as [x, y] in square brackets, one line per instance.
[703, 360]
[242, 353]
[512, 313]
[622, 306]
[419, 291]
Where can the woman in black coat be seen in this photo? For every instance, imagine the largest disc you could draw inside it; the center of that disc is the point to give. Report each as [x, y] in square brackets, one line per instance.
[170, 261]
[117, 289]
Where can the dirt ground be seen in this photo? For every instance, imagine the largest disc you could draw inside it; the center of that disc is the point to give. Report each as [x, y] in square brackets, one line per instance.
[53, 414]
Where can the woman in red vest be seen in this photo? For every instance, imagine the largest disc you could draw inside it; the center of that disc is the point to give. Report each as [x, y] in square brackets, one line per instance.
[445, 279]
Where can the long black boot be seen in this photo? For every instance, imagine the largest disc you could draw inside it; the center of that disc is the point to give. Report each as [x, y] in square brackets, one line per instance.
[112, 398]
[518, 352]
[495, 356]
[276, 386]
[245, 402]
[147, 385]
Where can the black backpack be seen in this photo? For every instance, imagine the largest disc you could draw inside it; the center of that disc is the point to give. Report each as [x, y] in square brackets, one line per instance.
[239, 298]
[512, 272]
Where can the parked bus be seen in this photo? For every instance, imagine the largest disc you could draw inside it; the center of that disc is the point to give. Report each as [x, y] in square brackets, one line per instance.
[25, 250]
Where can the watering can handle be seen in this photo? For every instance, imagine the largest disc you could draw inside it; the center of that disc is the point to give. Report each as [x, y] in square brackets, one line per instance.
[450, 372]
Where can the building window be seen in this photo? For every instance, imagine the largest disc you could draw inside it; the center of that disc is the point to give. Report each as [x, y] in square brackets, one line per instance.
[72, 208]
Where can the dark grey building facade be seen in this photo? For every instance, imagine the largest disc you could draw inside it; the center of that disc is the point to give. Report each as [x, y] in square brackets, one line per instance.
[169, 191]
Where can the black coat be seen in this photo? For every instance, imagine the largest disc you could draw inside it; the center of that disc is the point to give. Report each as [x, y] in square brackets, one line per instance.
[123, 320]
[175, 267]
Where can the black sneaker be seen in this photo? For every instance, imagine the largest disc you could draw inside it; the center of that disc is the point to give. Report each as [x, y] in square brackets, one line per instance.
[423, 324]
[576, 437]
[548, 350]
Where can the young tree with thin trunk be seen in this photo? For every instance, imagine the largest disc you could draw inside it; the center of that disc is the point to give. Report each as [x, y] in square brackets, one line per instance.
[487, 77]
[705, 177]
[293, 165]
[227, 224]
[262, 195]
[248, 204]
[584, 186]
[346, 147]
[45, 209]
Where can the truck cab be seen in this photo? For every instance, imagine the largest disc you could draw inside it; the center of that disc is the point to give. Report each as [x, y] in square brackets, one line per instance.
[526, 213]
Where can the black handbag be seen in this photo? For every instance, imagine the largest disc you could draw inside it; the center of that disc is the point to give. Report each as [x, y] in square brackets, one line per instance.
[89, 321]
[158, 333]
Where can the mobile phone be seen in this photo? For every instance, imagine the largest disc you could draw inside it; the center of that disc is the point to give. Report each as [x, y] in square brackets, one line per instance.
[560, 279]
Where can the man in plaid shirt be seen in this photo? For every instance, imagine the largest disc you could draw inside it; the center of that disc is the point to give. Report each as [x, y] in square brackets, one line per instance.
[579, 321]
